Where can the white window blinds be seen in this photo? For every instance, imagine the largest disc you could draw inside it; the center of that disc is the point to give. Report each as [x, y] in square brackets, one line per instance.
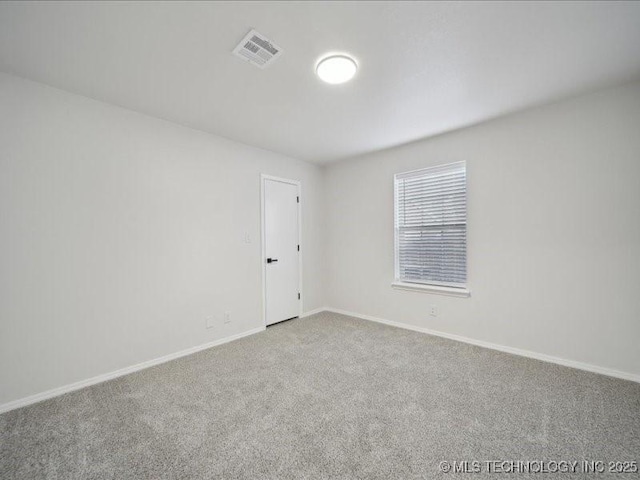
[431, 226]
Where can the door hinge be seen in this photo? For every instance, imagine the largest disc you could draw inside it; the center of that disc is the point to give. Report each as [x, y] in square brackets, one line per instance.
[298, 247]
[298, 295]
[297, 199]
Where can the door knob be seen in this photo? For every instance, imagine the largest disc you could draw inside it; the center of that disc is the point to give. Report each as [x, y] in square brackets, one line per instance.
[272, 260]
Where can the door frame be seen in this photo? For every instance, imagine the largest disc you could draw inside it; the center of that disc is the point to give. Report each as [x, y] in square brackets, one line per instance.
[263, 178]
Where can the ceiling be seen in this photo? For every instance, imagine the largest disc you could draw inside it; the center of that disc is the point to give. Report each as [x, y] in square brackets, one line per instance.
[425, 68]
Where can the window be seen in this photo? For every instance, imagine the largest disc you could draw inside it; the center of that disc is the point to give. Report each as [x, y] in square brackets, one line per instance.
[431, 228]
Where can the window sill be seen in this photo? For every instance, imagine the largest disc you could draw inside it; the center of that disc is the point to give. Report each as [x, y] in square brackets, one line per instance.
[417, 287]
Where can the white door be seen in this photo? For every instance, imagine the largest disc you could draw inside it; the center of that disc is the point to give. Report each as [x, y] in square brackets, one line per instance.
[281, 250]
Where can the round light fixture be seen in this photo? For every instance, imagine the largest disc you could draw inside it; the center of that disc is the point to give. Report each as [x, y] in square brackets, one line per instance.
[336, 69]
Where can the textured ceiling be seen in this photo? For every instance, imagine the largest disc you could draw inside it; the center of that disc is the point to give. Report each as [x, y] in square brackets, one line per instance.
[425, 68]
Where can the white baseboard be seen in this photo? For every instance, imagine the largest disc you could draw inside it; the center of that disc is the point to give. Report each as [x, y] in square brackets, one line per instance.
[38, 397]
[157, 361]
[502, 348]
[313, 312]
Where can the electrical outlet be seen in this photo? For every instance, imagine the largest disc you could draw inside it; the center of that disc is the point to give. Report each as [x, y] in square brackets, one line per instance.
[227, 317]
[209, 322]
[433, 311]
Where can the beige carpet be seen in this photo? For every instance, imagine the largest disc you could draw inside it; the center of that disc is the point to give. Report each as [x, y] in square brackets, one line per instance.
[328, 396]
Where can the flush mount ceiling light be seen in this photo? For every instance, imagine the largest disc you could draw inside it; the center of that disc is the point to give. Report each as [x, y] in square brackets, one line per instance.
[336, 69]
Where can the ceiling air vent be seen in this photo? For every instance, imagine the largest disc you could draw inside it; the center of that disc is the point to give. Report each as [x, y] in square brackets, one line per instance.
[257, 49]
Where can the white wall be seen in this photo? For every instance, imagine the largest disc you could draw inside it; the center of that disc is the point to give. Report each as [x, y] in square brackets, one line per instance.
[121, 233]
[553, 231]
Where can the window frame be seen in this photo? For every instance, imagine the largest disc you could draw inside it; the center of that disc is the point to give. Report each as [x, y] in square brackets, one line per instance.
[444, 288]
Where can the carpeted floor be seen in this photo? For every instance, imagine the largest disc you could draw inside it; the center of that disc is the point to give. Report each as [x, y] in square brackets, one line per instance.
[328, 396]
